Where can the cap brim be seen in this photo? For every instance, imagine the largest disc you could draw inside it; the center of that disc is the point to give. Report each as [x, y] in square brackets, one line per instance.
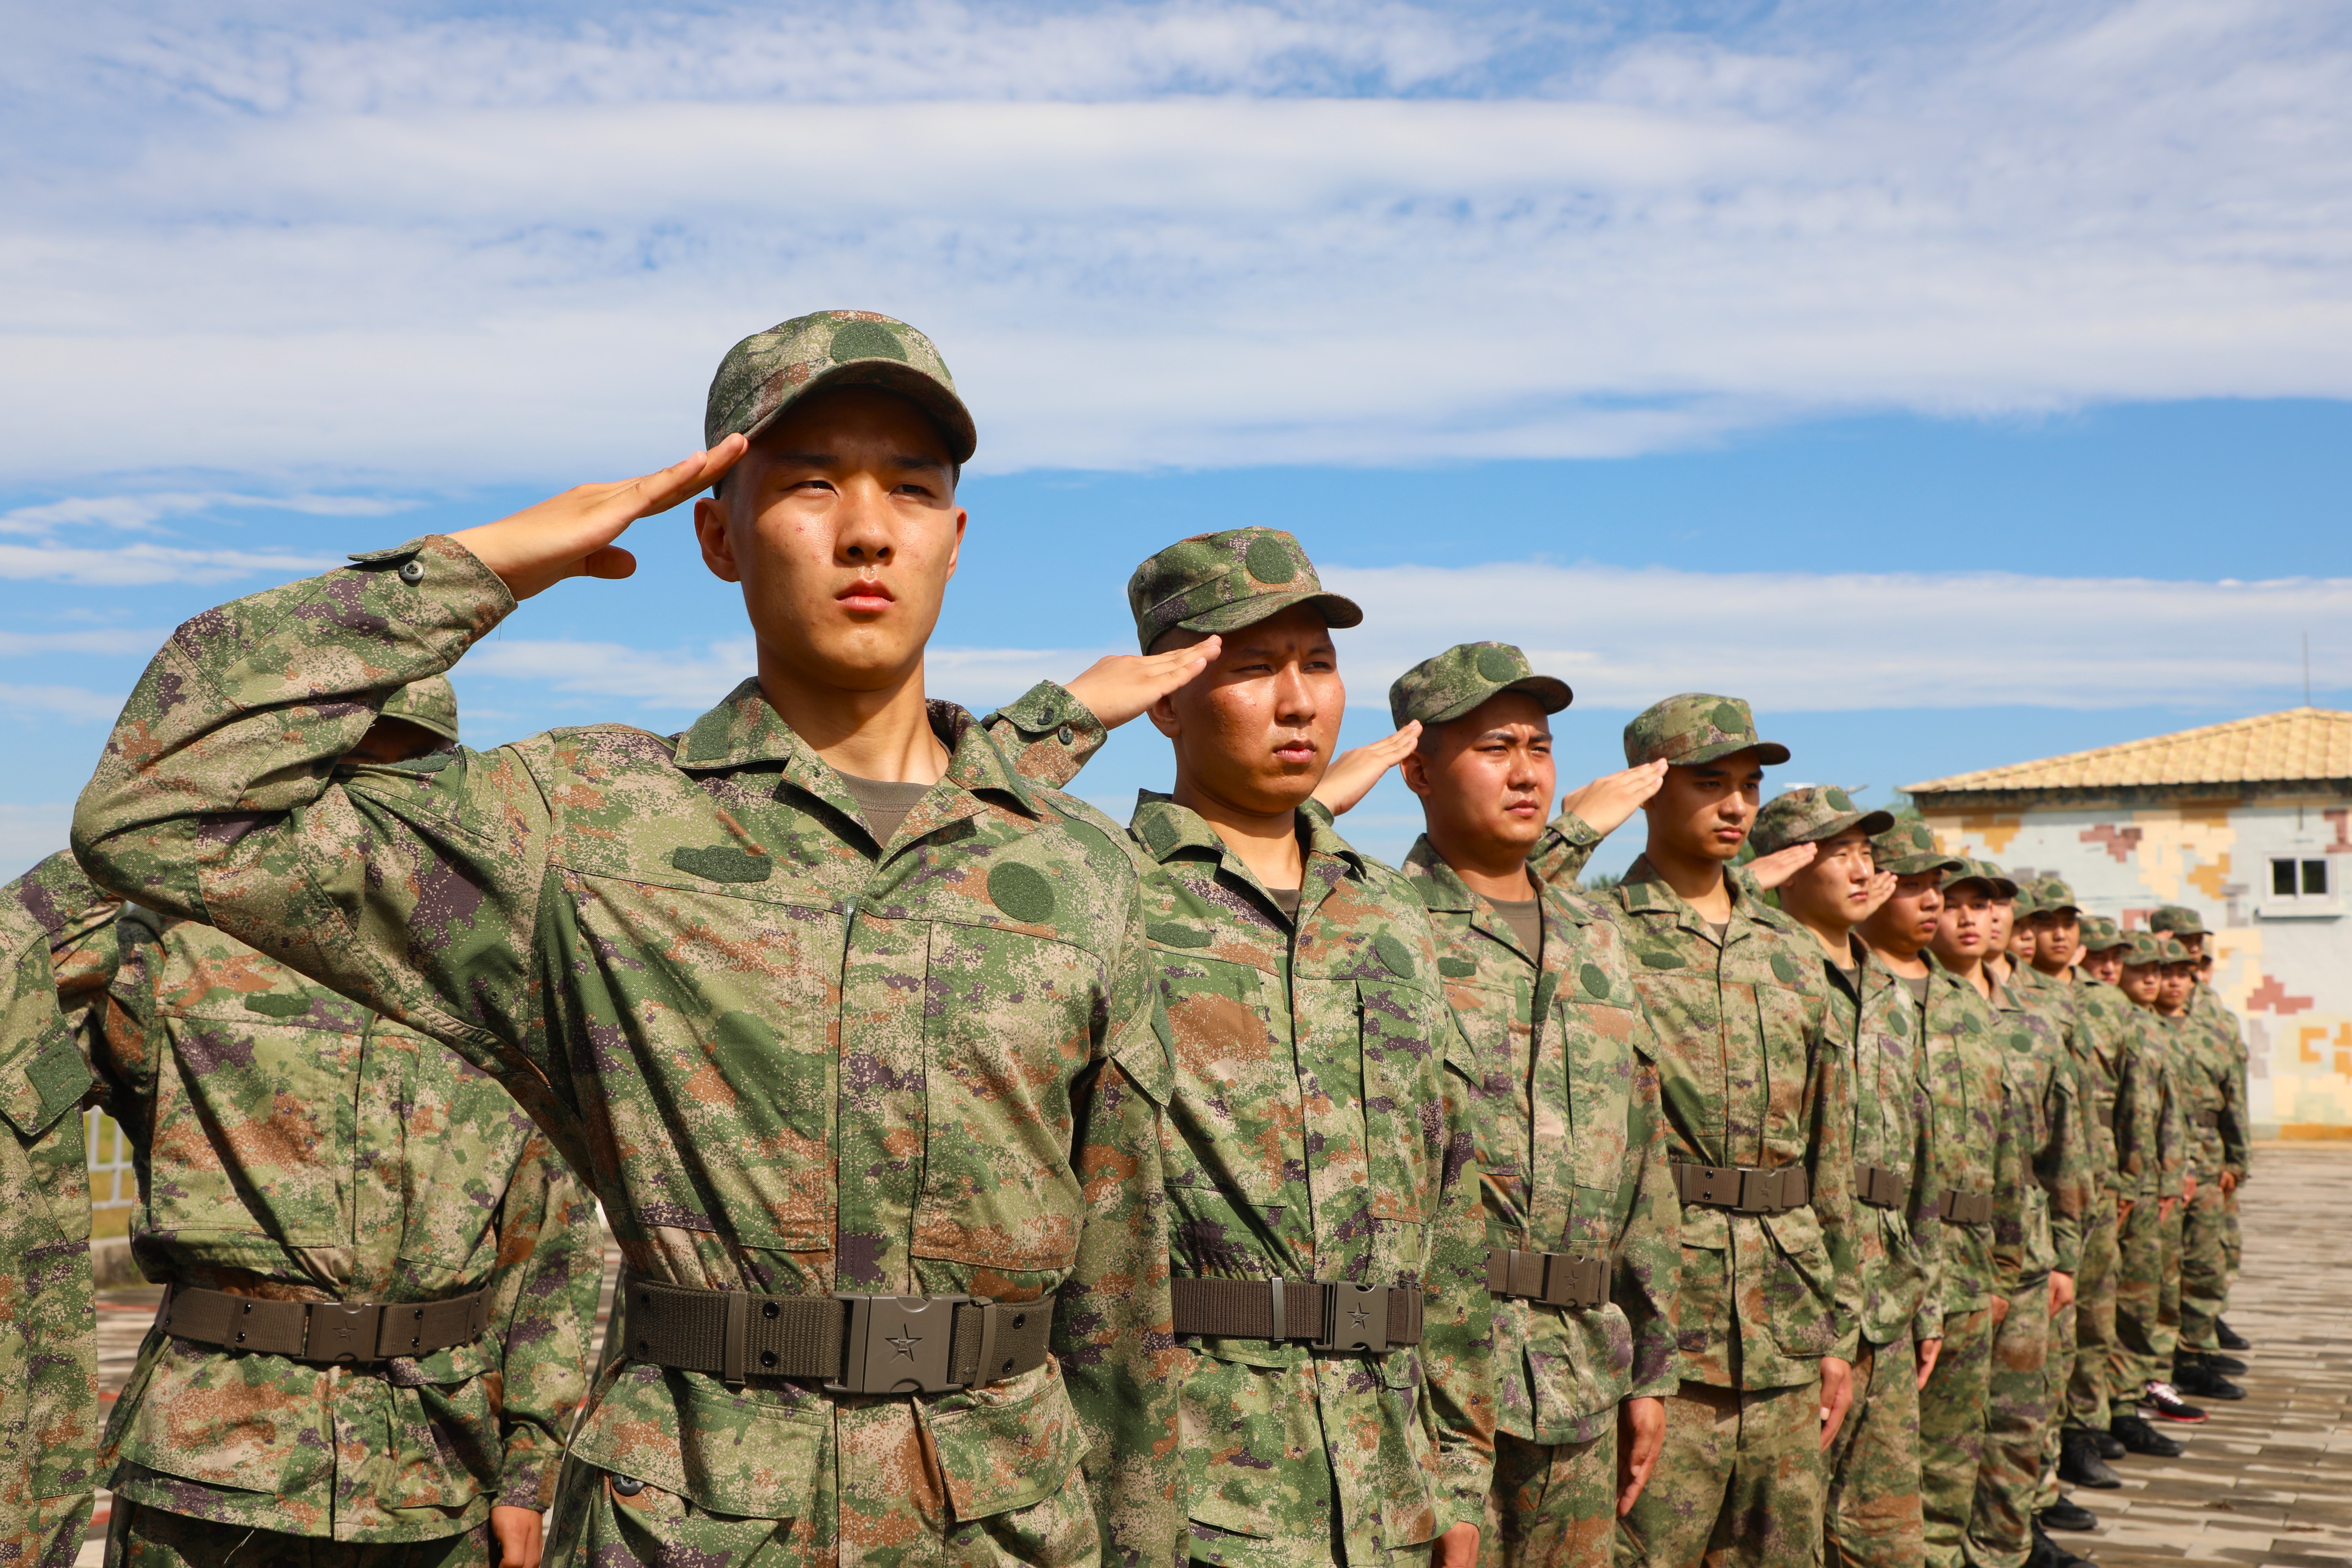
[1551, 693]
[1771, 754]
[1872, 823]
[1338, 612]
[946, 409]
[1914, 864]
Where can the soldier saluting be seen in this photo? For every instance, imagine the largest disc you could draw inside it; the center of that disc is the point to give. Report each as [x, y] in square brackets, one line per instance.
[843, 1019]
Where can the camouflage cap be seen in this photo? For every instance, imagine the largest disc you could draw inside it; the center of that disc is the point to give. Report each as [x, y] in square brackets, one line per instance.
[1812, 813]
[2051, 895]
[2176, 918]
[429, 704]
[1696, 727]
[2028, 899]
[1997, 882]
[1454, 682]
[2142, 948]
[1908, 848]
[768, 372]
[1218, 582]
[2100, 934]
[2175, 951]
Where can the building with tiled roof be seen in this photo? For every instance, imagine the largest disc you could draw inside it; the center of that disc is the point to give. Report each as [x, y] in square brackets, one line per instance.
[2246, 823]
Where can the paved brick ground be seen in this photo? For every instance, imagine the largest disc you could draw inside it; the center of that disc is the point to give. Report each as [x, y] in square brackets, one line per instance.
[2268, 1481]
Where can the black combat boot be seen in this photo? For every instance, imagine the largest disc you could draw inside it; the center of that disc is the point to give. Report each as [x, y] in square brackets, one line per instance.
[2231, 1340]
[2132, 1430]
[2194, 1377]
[2066, 1514]
[2079, 1463]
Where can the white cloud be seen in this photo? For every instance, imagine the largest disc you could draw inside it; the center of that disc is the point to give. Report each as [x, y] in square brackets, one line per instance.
[140, 513]
[30, 834]
[691, 679]
[1831, 642]
[18, 644]
[1193, 234]
[1625, 637]
[70, 702]
[139, 564]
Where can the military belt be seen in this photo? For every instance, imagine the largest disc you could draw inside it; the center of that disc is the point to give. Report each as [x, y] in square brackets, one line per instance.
[1881, 1187]
[1553, 1278]
[853, 1344]
[2209, 1118]
[1743, 1189]
[1967, 1208]
[338, 1333]
[1327, 1314]
[2106, 1115]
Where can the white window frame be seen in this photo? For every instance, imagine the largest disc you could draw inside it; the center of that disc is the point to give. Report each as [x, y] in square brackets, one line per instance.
[2300, 905]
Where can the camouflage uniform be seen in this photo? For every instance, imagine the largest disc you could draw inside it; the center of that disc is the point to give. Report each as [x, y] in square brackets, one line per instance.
[790, 1061]
[1982, 1177]
[2154, 1156]
[1750, 1079]
[2020, 1401]
[2102, 1017]
[2225, 1061]
[56, 942]
[2206, 1073]
[1871, 1518]
[1571, 1150]
[1318, 1128]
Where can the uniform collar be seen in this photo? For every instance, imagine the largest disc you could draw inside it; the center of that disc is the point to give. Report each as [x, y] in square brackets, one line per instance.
[744, 731]
[1645, 890]
[1172, 832]
[1443, 890]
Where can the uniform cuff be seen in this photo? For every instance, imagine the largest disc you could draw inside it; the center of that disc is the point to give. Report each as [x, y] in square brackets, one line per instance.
[1055, 733]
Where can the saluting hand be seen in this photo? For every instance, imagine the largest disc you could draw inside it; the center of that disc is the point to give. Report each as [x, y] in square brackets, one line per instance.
[1119, 686]
[1353, 773]
[571, 536]
[1771, 870]
[1604, 805]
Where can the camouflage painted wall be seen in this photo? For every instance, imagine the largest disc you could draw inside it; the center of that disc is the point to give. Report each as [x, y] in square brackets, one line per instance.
[2284, 964]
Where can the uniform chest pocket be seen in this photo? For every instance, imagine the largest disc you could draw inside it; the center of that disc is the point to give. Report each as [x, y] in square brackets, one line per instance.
[443, 1141]
[1007, 1025]
[255, 1124]
[1404, 1032]
[1598, 1059]
[1784, 1021]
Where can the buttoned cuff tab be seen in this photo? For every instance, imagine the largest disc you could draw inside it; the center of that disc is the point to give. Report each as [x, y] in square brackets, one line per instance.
[392, 557]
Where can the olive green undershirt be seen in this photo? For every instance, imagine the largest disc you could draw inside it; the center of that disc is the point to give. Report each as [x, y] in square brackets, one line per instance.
[884, 803]
[1286, 900]
[1525, 918]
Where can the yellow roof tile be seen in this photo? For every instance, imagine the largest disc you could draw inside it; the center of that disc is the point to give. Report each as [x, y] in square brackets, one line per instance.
[2302, 743]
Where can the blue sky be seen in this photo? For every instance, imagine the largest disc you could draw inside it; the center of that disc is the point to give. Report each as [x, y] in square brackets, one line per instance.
[1961, 384]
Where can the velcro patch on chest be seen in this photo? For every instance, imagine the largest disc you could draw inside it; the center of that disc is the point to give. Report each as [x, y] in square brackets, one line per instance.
[271, 1004]
[1659, 958]
[722, 863]
[1392, 953]
[1596, 983]
[1022, 892]
[1784, 969]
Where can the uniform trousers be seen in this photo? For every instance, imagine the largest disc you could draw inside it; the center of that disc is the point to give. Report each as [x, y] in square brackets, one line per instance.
[1952, 1435]
[1739, 1482]
[2204, 1267]
[1871, 1519]
[141, 1537]
[2017, 1409]
[1553, 1505]
[2094, 1320]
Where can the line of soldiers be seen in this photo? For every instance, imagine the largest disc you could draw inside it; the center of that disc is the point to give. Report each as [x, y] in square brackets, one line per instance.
[994, 1184]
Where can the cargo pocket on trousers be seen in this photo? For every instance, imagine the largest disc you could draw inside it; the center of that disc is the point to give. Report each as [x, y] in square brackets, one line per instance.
[1237, 1443]
[1797, 1293]
[754, 1455]
[1017, 1444]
